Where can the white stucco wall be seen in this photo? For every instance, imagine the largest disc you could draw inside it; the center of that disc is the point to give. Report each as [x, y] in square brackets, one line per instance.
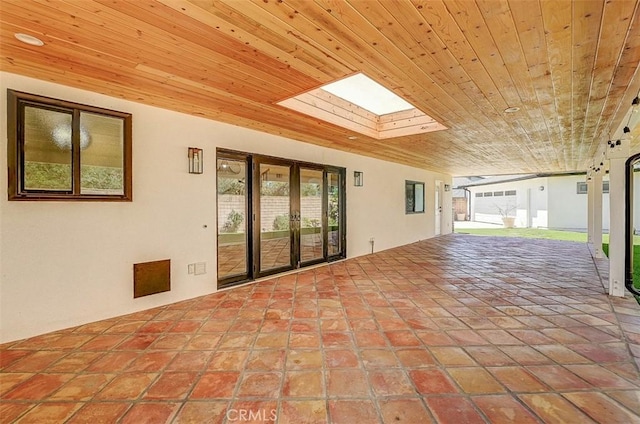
[67, 263]
[530, 203]
[558, 206]
[568, 209]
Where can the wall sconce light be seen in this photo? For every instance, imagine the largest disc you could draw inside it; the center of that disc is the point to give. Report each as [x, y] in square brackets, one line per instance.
[195, 160]
[447, 187]
[358, 178]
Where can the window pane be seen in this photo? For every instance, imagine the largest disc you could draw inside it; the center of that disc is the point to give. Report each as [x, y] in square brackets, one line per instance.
[409, 201]
[581, 188]
[414, 197]
[334, 240]
[419, 197]
[47, 150]
[275, 218]
[232, 220]
[101, 154]
[311, 231]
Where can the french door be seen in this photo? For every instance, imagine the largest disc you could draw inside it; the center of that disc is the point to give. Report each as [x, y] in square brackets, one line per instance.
[275, 215]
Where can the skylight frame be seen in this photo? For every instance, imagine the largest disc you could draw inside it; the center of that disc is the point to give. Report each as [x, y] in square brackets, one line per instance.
[324, 105]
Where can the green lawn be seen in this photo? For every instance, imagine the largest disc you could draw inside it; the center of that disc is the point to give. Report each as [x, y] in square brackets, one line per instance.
[527, 233]
[557, 235]
[535, 233]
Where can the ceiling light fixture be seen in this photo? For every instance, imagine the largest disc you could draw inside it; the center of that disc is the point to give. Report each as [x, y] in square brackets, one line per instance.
[352, 137]
[29, 39]
[511, 109]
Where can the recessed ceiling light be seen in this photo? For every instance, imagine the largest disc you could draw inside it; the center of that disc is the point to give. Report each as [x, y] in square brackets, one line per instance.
[352, 137]
[29, 39]
[511, 110]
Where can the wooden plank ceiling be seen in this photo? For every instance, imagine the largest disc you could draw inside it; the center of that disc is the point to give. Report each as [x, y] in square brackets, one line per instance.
[570, 66]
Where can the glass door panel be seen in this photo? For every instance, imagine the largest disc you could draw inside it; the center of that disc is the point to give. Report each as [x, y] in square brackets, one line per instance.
[311, 226]
[232, 218]
[334, 214]
[275, 216]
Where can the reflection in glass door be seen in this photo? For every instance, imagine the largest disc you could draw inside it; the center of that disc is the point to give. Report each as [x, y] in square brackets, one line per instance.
[311, 225]
[275, 216]
[232, 219]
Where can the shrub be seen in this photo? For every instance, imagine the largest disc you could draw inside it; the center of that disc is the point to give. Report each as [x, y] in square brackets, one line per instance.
[281, 223]
[233, 222]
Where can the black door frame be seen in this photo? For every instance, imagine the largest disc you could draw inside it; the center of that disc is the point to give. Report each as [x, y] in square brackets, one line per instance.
[258, 160]
[342, 212]
[252, 212]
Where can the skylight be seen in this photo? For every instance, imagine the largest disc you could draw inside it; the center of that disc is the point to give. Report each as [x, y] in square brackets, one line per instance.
[359, 104]
[362, 91]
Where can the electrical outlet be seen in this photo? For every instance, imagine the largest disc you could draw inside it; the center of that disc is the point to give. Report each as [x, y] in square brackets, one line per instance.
[191, 268]
[200, 268]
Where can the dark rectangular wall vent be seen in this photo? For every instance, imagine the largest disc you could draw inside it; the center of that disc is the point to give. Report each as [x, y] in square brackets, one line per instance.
[151, 277]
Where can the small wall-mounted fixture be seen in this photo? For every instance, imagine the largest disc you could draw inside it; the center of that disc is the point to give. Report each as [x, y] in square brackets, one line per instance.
[447, 187]
[195, 160]
[541, 188]
[358, 178]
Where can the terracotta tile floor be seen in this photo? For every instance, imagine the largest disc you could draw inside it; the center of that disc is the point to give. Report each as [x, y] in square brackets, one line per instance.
[453, 330]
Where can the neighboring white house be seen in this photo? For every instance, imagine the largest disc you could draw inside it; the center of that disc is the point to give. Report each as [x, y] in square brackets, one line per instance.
[538, 201]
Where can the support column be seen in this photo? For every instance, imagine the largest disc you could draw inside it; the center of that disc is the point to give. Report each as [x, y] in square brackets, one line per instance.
[597, 213]
[590, 198]
[617, 158]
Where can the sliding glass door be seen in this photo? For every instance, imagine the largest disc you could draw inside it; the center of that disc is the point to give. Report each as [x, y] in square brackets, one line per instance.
[233, 223]
[275, 215]
[336, 232]
[311, 215]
